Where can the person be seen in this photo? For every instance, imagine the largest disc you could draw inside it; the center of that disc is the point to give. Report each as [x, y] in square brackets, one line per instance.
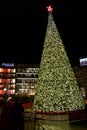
[17, 111]
[1, 104]
[86, 109]
[5, 114]
[12, 116]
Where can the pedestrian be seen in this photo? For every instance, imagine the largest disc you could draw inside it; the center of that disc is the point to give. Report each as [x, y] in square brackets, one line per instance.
[12, 116]
[1, 104]
[18, 116]
[5, 114]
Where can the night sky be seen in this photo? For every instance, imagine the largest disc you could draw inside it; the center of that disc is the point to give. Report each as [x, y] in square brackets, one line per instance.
[23, 30]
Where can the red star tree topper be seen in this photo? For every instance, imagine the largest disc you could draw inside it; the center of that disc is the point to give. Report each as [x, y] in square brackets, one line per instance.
[49, 8]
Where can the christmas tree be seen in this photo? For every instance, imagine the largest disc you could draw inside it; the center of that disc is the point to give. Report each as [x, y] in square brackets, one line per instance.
[57, 88]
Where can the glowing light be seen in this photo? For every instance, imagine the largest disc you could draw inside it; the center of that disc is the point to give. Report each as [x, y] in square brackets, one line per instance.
[49, 8]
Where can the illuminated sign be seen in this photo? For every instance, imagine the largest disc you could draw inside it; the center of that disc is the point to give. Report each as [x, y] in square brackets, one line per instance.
[83, 61]
[8, 64]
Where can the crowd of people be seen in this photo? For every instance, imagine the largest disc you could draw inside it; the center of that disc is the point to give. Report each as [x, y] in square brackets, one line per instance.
[11, 115]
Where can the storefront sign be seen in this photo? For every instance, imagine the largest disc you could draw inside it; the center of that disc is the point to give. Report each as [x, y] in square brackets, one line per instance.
[8, 64]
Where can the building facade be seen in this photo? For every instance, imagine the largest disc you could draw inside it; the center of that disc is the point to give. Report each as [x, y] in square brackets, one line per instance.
[7, 78]
[26, 78]
[81, 75]
[18, 78]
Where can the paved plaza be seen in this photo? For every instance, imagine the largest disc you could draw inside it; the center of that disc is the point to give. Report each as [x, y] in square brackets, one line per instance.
[73, 126]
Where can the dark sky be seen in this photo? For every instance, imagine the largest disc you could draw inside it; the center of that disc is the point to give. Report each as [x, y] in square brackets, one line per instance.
[23, 30]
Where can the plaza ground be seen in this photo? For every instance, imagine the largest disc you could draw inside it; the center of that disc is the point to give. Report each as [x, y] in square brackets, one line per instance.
[60, 123]
[72, 126]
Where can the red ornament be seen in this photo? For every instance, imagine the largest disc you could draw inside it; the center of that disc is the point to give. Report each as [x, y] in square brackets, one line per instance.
[49, 8]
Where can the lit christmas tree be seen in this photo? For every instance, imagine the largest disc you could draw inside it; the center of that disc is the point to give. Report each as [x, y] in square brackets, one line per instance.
[57, 88]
